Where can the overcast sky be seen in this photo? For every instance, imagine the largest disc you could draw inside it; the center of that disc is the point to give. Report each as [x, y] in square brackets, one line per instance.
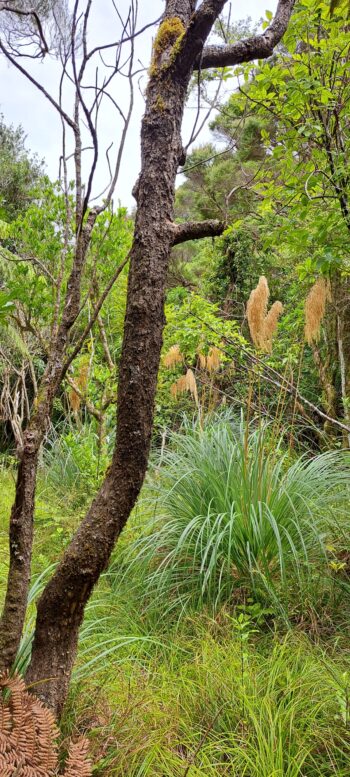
[22, 104]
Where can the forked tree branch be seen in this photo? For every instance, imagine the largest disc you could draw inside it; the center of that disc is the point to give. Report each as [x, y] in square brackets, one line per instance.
[20, 12]
[94, 316]
[256, 47]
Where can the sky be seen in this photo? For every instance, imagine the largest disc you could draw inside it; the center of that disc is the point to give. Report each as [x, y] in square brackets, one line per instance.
[21, 103]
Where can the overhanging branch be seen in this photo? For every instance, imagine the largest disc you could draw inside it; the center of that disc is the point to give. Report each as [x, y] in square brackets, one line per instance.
[193, 230]
[256, 47]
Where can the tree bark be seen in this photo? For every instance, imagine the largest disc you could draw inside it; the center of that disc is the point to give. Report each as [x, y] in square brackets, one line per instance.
[67, 303]
[22, 513]
[333, 360]
[61, 606]
[21, 528]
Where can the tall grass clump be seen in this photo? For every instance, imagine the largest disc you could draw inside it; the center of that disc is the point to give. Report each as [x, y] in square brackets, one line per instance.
[236, 519]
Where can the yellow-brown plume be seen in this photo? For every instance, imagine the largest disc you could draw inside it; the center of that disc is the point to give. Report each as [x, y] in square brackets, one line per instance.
[262, 324]
[191, 384]
[270, 324]
[81, 380]
[179, 387]
[173, 356]
[213, 359]
[28, 735]
[256, 310]
[212, 362]
[185, 383]
[202, 360]
[315, 306]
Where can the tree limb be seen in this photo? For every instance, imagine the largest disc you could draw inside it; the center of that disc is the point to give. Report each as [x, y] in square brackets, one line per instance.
[256, 47]
[44, 49]
[193, 230]
[94, 315]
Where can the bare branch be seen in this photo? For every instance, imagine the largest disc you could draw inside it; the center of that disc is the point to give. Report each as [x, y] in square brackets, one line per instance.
[196, 130]
[256, 47]
[193, 230]
[38, 85]
[93, 318]
[19, 12]
[131, 37]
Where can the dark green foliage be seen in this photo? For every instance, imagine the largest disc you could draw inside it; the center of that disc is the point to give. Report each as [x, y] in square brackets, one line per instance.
[19, 171]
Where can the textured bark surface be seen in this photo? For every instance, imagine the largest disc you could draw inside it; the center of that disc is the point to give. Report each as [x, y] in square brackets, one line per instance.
[61, 606]
[21, 525]
[332, 358]
[20, 544]
[255, 47]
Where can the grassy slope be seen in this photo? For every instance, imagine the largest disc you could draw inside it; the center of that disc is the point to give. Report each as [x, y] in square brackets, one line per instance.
[210, 697]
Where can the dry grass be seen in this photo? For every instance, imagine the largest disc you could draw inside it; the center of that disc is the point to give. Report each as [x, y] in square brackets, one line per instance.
[173, 357]
[81, 381]
[185, 383]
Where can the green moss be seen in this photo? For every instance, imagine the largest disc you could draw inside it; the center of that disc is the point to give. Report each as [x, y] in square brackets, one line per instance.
[177, 46]
[159, 104]
[169, 34]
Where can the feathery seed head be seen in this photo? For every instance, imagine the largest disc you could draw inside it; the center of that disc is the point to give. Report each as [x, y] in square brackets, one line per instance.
[315, 306]
[173, 356]
[262, 324]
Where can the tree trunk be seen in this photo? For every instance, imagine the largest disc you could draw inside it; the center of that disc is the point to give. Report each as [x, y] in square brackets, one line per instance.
[177, 49]
[21, 527]
[20, 545]
[61, 607]
[22, 513]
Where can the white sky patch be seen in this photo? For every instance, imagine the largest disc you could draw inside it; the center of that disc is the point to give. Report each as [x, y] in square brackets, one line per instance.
[21, 103]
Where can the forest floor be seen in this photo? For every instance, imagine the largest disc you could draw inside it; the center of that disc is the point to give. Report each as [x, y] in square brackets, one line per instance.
[235, 695]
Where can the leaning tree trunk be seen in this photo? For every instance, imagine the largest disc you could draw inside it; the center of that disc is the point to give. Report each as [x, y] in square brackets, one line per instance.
[21, 525]
[22, 513]
[177, 50]
[20, 542]
[61, 607]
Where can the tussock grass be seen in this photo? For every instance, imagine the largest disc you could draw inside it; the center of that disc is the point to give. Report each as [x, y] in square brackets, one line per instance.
[236, 518]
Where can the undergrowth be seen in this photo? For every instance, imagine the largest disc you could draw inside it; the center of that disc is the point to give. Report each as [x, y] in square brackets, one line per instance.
[202, 674]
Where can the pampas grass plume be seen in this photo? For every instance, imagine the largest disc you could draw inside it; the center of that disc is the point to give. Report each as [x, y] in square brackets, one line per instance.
[262, 324]
[315, 306]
